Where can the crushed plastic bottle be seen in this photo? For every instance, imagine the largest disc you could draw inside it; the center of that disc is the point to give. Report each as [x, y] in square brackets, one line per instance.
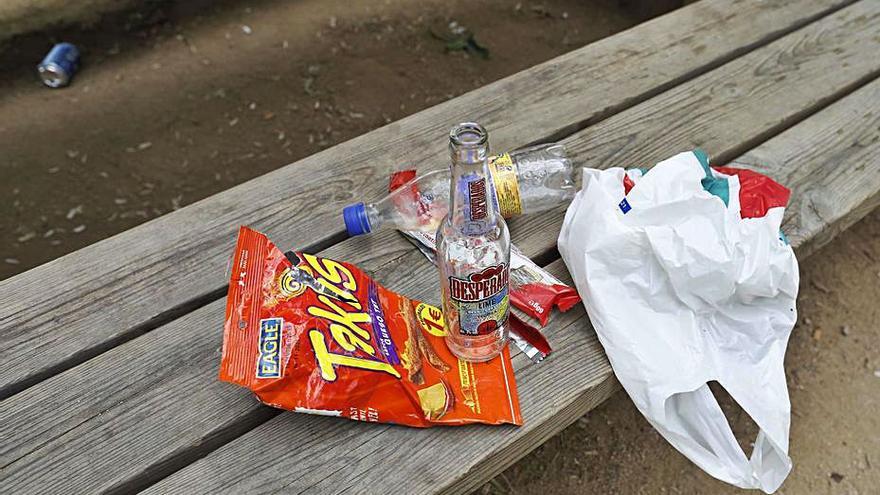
[525, 181]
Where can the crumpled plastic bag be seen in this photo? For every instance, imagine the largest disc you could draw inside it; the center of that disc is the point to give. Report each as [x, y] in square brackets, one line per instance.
[687, 279]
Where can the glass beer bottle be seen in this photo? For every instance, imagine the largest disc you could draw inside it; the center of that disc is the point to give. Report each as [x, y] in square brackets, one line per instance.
[473, 253]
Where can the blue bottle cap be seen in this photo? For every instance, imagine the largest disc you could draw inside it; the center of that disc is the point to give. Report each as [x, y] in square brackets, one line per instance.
[356, 220]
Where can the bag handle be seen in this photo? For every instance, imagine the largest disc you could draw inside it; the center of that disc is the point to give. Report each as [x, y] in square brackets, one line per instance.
[696, 426]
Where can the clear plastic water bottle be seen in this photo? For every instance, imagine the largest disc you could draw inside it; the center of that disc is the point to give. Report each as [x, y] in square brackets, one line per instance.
[525, 181]
[545, 177]
[473, 253]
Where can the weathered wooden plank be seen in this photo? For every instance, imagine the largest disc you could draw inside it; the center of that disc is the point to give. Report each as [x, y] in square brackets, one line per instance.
[117, 420]
[738, 105]
[753, 97]
[78, 420]
[121, 417]
[326, 457]
[732, 108]
[837, 195]
[131, 283]
[290, 454]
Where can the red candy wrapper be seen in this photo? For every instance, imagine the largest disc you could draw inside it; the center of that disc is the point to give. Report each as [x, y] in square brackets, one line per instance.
[319, 336]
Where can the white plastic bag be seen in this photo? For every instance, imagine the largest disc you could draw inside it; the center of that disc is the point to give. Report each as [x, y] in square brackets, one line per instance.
[682, 291]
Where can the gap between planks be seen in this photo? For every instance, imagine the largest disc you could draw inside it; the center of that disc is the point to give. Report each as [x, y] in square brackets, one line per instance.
[797, 117]
[781, 125]
[136, 331]
[472, 478]
[546, 256]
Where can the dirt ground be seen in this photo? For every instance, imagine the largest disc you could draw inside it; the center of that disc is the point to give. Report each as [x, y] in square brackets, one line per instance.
[182, 100]
[186, 99]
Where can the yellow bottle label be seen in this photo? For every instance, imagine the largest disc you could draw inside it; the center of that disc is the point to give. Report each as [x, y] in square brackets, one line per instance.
[503, 172]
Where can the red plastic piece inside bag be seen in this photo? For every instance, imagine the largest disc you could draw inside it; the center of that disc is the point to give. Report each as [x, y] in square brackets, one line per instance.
[757, 192]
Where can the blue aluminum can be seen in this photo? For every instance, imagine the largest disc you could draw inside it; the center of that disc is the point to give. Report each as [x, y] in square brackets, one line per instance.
[59, 66]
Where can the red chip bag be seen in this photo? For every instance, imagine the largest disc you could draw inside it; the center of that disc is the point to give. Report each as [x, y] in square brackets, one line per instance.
[319, 336]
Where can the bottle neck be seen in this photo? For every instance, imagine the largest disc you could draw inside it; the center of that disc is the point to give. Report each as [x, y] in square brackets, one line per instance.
[471, 208]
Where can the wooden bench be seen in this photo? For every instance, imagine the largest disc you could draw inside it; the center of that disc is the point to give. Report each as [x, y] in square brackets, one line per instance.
[109, 355]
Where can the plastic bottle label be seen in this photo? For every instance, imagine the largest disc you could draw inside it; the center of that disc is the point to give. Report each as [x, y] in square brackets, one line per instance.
[504, 171]
[481, 300]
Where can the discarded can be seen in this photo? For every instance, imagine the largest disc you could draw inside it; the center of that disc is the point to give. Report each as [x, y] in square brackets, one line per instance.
[59, 66]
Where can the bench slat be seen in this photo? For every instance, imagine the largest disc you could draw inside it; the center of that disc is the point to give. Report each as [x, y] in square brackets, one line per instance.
[293, 454]
[129, 284]
[842, 192]
[56, 421]
[737, 106]
[329, 455]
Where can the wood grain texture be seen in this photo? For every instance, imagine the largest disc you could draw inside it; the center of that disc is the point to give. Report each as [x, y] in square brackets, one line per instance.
[120, 420]
[737, 106]
[837, 149]
[841, 182]
[166, 407]
[741, 104]
[129, 284]
[356, 457]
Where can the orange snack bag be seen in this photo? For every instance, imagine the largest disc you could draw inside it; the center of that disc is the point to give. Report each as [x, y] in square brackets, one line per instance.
[334, 342]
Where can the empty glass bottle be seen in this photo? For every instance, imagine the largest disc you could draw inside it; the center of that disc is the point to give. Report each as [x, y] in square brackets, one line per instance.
[473, 253]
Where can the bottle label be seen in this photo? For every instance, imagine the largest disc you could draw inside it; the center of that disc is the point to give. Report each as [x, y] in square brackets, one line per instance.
[481, 300]
[504, 171]
[477, 200]
[473, 194]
